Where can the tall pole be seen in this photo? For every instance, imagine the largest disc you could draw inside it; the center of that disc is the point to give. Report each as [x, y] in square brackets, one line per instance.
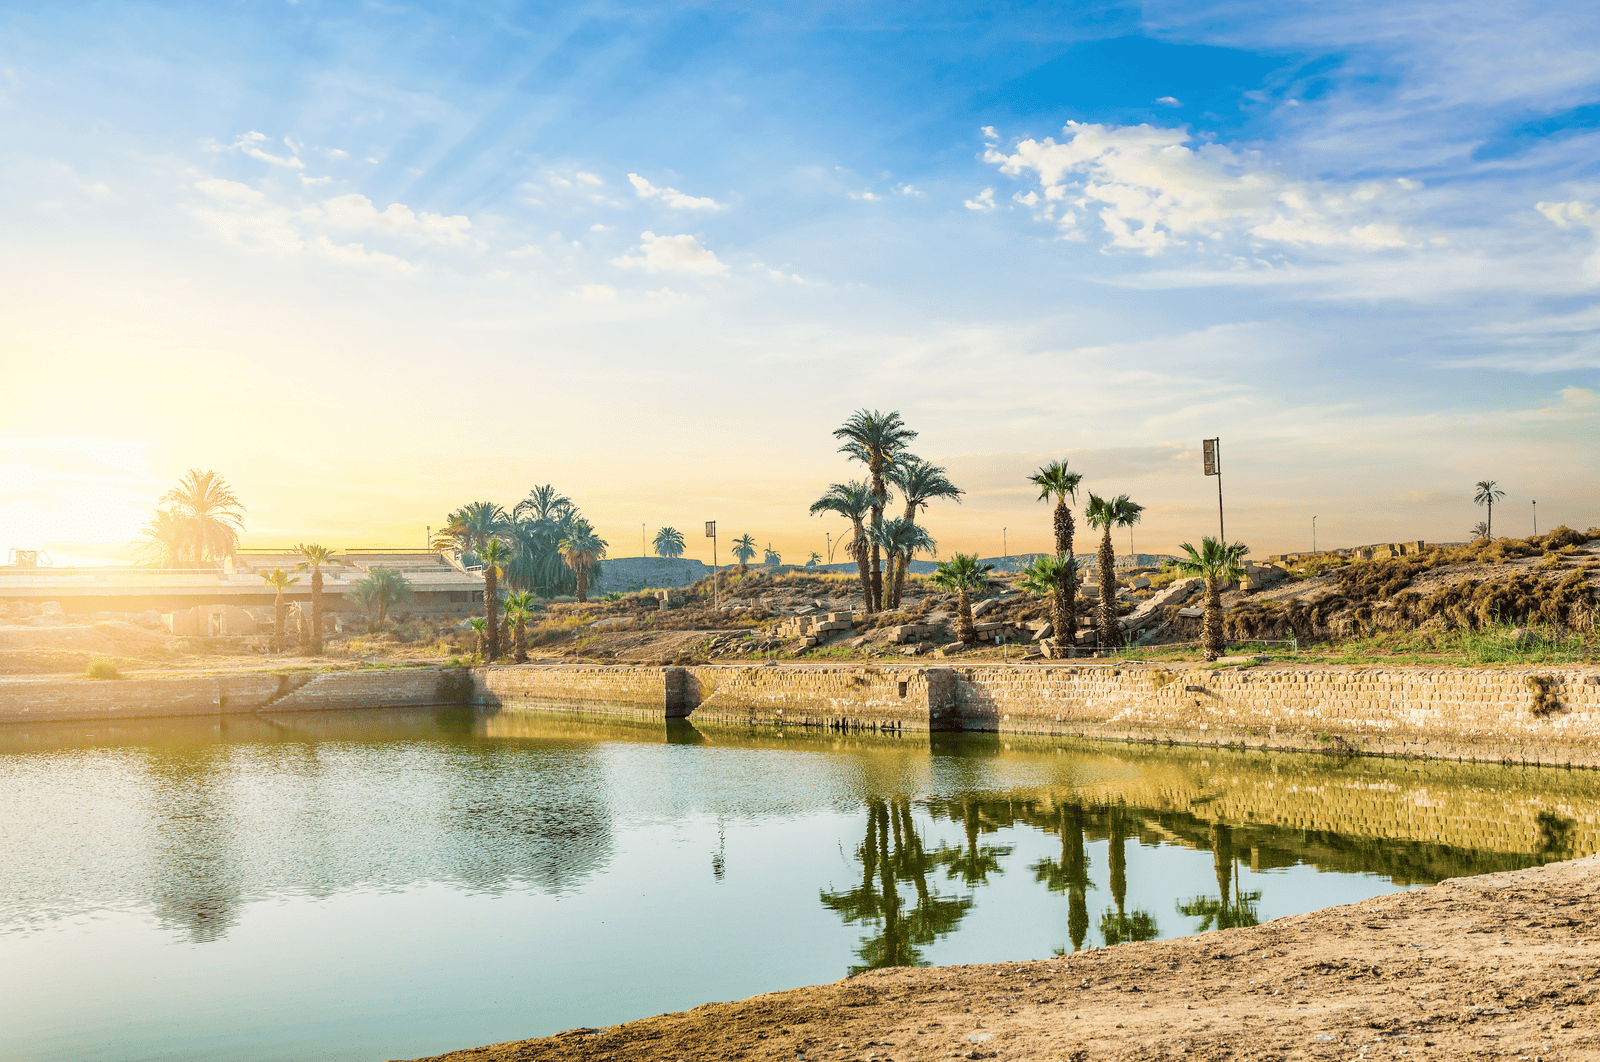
[711, 533]
[1313, 534]
[1005, 550]
[1212, 449]
[1222, 528]
[642, 551]
[1535, 517]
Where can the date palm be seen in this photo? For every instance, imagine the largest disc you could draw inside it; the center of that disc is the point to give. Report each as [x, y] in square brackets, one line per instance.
[382, 589]
[669, 543]
[1044, 578]
[582, 549]
[771, 557]
[1216, 562]
[494, 556]
[1057, 481]
[537, 525]
[1487, 492]
[315, 557]
[919, 483]
[471, 527]
[280, 581]
[1108, 514]
[519, 607]
[963, 575]
[900, 537]
[814, 559]
[480, 625]
[744, 548]
[1480, 530]
[165, 540]
[214, 515]
[853, 501]
[877, 440]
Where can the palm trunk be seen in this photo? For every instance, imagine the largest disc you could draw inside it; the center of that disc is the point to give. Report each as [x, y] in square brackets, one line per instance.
[505, 632]
[877, 522]
[859, 547]
[521, 656]
[900, 568]
[280, 617]
[316, 611]
[583, 586]
[964, 628]
[1068, 591]
[491, 618]
[1110, 629]
[1211, 641]
[1061, 620]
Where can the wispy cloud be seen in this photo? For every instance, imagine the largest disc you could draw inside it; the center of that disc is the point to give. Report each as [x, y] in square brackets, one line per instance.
[671, 254]
[671, 196]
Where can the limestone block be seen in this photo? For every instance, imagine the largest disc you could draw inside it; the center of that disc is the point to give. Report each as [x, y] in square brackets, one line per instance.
[832, 625]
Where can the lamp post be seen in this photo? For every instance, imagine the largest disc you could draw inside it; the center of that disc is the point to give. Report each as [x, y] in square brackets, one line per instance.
[1535, 517]
[1005, 550]
[711, 533]
[1313, 534]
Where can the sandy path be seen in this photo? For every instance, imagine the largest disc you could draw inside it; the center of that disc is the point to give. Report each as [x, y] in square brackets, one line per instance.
[1497, 967]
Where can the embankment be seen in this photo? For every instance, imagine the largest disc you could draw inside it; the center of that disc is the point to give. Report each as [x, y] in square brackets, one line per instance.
[1547, 716]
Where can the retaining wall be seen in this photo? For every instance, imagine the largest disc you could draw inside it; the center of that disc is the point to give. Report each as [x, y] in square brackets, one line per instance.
[49, 700]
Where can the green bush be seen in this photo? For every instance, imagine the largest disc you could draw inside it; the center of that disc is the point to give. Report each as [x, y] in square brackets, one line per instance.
[102, 668]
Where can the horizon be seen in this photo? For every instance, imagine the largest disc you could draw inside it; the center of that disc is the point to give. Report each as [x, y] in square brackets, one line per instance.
[371, 265]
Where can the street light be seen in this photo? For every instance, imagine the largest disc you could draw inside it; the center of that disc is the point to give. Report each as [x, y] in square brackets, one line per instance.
[1313, 534]
[711, 533]
[1536, 518]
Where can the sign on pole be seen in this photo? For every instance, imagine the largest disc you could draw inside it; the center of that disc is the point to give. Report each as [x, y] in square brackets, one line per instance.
[1213, 462]
[711, 529]
[1212, 448]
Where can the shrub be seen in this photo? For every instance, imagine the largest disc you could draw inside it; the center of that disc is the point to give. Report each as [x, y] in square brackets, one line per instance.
[102, 668]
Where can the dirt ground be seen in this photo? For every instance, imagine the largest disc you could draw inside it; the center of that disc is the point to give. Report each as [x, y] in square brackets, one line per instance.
[1496, 967]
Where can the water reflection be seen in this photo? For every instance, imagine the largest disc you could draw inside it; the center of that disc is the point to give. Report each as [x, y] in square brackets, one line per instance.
[892, 855]
[1232, 908]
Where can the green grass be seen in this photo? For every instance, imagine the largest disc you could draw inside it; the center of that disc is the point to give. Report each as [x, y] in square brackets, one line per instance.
[1485, 647]
[102, 668]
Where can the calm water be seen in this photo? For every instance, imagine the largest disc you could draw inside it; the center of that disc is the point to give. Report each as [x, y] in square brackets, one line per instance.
[375, 885]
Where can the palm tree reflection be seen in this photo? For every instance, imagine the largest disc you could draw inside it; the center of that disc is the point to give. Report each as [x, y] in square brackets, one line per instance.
[1119, 926]
[1223, 912]
[974, 863]
[1070, 874]
[892, 855]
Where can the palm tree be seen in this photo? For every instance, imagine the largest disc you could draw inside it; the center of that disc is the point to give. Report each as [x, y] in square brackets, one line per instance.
[919, 483]
[315, 557]
[1216, 562]
[481, 625]
[381, 590]
[853, 501]
[1045, 577]
[669, 543]
[1480, 530]
[1106, 514]
[877, 440]
[771, 557]
[744, 548]
[538, 524]
[963, 575]
[520, 607]
[582, 549]
[900, 537]
[494, 556]
[214, 515]
[1056, 480]
[280, 581]
[165, 539]
[814, 559]
[1487, 493]
[471, 527]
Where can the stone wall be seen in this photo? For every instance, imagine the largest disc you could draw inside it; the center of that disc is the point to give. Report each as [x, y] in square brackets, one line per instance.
[52, 700]
[1514, 715]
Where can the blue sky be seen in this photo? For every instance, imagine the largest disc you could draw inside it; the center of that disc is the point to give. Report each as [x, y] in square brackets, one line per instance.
[374, 260]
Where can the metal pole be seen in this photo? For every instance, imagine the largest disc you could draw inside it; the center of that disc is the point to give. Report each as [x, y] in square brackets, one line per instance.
[1221, 527]
[1536, 518]
[1005, 550]
[715, 589]
[1313, 534]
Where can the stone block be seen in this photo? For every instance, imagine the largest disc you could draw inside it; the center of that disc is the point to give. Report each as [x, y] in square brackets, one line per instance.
[832, 625]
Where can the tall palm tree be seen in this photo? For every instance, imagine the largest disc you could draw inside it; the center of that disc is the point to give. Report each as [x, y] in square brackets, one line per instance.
[538, 524]
[315, 557]
[853, 501]
[963, 575]
[519, 607]
[919, 483]
[771, 557]
[1058, 481]
[900, 537]
[381, 590]
[582, 549]
[1044, 578]
[1107, 514]
[1480, 530]
[877, 440]
[744, 548]
[669, 543]
[471, 527]
[494, 556]
[280, 581]
[1216, 562]
[1486, 492]
[215, 516]
[165, 540]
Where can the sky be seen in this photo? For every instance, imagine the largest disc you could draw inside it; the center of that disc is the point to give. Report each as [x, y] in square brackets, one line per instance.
[372, 261]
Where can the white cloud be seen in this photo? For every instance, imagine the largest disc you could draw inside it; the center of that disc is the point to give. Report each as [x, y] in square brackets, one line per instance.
[989, 133]
[335, 153]
[597, 227]
[1581, 397]
[356, 211]
[868, 197]
[1150, 189]
[1570, 215]
[250, 143]
[983, 202]
[671, 254]
[671, 196]
[313, 181]
[776, 274]
[588, 178]
[597, 293]
[1170, 101]
[908, 189]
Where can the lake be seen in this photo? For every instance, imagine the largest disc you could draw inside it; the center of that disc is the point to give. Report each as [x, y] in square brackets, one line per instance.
[390, 884]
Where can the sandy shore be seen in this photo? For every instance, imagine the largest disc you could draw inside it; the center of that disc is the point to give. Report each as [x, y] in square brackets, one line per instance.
[1503, 966]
